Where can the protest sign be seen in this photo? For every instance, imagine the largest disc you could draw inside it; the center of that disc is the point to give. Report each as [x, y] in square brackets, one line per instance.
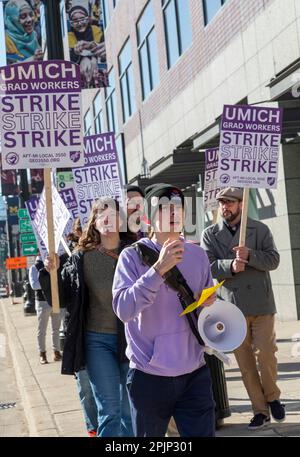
[60, 218]
[40, 115]
[100, 177]
[249, 146]
[32, 205]
[211, 187]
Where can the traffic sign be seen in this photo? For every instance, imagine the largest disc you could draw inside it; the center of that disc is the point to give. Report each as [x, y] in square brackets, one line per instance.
[29, 249]
[27, 238]
[25, 226]
[30, 260]
[23, 213]
[14, 263]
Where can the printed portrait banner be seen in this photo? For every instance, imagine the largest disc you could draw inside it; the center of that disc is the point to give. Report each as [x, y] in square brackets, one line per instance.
[22, 27]
[249, 146]
[40, 115]
[100, 177]
[211, 187]
[37, 180]
[86, 41]
[12, 210]
[61, 217]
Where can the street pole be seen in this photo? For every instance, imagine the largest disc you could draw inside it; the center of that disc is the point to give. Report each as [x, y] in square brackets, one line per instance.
[55, 52]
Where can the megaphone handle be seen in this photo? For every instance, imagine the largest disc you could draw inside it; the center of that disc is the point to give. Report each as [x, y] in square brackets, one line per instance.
[220, 355]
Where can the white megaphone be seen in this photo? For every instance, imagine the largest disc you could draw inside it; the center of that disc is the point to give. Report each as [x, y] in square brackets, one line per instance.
[223, 328]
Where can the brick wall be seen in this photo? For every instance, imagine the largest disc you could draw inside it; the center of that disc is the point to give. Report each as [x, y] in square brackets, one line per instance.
[208, 42]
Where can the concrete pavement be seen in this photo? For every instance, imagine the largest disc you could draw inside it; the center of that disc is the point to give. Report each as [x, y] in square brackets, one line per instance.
[51, 402]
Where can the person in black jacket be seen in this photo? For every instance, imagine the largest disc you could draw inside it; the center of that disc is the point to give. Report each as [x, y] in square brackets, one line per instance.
[44, 312]
[95, 336]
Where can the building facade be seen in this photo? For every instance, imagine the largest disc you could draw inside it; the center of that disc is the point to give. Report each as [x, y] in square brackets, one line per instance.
[173, 64]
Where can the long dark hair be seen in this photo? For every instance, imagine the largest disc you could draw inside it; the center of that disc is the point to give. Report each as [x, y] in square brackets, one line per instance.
[91, 238]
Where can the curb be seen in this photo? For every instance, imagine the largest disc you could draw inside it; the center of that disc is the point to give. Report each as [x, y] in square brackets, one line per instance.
[36, 409]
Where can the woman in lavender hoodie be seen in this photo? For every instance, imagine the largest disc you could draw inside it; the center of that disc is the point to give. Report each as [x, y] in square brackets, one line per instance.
[167, 376]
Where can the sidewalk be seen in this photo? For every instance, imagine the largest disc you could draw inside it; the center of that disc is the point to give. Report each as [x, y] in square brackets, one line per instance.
[52, 405]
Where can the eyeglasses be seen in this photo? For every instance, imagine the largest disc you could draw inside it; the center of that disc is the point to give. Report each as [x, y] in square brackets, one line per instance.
[80, 21]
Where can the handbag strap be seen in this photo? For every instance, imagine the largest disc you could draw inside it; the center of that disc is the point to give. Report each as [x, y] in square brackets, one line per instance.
[174, 279]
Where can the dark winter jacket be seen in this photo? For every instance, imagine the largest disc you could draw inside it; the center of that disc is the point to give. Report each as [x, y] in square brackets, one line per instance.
[44, 279]
[77, 302]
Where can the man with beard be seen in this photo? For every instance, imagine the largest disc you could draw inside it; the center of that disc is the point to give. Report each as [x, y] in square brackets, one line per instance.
[245, 270]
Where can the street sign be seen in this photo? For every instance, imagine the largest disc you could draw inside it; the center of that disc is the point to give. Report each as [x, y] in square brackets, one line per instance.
[27, 238]
[23, 213]
[30, 260]
[25, 226]
[29, 249]
[14, 263]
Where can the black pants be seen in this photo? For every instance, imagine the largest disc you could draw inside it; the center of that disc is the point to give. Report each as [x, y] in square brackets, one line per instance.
[155, 399]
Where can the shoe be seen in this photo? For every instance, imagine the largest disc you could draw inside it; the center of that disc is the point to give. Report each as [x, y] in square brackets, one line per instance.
[57, 356]
[92, 433]
[43, 358]
[259, 421]
[277, 410]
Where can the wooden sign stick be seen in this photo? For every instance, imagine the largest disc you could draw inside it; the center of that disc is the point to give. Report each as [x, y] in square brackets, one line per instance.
[51, 239]
[243, 228]
[215, 216]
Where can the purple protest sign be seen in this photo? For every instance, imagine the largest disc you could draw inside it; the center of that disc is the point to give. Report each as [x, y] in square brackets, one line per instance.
[40, 115]
[249, 146]
[100, 177]
[211, 187]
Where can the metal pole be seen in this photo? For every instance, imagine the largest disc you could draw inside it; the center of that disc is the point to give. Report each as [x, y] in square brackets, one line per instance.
[53, 30]
[55, 52]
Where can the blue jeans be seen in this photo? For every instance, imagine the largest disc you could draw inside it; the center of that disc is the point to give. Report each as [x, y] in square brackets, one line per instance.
[108, 380]
[87, 400]
[155, 399]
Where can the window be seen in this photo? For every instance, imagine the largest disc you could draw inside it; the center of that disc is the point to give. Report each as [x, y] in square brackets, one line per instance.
[178, 31]
[114, 3]
[88, 123]
[105, 11]
[111, 105]
[211, 7]
[147, 49]
[127, 81]
[98, 114]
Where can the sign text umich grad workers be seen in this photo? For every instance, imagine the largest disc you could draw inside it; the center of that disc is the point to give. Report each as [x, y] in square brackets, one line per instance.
[40, 115]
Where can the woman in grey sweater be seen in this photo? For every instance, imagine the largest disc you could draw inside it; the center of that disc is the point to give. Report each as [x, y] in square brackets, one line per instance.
[93, 326]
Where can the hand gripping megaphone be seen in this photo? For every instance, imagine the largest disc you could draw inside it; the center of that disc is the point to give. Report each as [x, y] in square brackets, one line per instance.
[223, 328]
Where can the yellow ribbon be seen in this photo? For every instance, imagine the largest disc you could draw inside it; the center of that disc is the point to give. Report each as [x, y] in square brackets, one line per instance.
[206, 293]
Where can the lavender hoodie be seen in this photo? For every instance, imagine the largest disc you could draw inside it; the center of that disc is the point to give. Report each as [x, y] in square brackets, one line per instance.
[160, 342]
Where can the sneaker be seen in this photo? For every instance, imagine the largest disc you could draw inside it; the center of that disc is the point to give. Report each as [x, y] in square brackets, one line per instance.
[92, 433]
[258, 421]
[277, 410]
[43, 358]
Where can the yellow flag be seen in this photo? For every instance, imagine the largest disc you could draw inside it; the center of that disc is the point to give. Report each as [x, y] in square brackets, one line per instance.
[206, 293]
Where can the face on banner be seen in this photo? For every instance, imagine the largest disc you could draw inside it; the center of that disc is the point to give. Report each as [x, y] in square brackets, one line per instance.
[86, 41]
[37, 181]
[22, 31]
[9, 184]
